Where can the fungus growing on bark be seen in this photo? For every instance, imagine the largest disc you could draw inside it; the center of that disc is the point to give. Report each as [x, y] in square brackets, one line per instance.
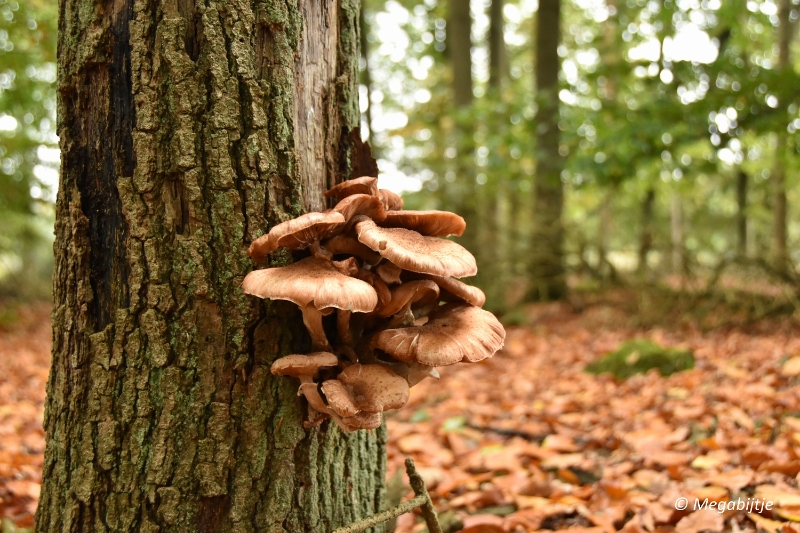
[393, 269]
[362, 185]
[428, 223]
[453, 333]
[411, 251]
[301, 232]
[391, 201]
[361, 204]
[315, 284]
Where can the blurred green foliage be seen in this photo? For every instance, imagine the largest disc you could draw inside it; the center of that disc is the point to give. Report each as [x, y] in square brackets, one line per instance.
[28, 145]
[635, 123]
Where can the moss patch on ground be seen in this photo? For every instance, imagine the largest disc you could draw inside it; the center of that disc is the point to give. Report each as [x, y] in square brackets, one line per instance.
[637, 356]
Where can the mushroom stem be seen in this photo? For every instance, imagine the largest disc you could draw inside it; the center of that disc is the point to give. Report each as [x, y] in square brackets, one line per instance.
[309, 390]
[343, 325]
[319, 251]
[312, 318]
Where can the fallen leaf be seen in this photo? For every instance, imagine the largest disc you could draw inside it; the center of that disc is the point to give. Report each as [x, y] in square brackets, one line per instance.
[703, 520]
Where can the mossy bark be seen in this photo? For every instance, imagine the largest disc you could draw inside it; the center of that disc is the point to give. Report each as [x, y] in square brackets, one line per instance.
[188, 128]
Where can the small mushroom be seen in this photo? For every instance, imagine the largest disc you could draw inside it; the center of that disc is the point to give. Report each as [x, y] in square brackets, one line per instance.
[315, 285]
[338, 399]
[411, 251]
[462, 291]
[453, 333]
[362, 185]
[301, 232]
[389, 272]
[423, 291]
[391, 201]
[344, 244]
[304, 367]
[363, 420]
[429, 223]
[361, 204]
[374, 388]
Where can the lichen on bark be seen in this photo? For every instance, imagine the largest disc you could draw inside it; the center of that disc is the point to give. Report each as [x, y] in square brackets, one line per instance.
[180, 137]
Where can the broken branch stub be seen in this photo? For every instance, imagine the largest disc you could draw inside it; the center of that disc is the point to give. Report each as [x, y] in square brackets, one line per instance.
[375, 352]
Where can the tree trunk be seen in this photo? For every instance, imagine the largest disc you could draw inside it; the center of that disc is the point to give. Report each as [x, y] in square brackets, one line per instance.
[187, 130]
[646, 235]
[498, 54]
[780, 254]
[459, 50]
[741, 213]
[676, 232]
[547, 280]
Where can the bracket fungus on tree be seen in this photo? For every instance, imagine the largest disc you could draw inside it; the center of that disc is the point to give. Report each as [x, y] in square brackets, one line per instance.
[384, 271]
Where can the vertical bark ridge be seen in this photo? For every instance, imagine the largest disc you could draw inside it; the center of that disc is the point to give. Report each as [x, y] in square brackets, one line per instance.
[181, 144]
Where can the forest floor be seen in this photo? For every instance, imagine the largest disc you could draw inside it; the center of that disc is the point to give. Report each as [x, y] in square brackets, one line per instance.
[528, 441]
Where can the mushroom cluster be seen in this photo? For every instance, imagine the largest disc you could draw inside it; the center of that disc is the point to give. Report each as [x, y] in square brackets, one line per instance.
[399, 310]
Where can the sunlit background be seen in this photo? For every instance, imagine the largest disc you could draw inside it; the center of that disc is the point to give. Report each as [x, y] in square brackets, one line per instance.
[675, 116]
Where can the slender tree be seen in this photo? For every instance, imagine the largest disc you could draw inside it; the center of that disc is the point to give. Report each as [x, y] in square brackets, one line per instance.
[547, 280]
[779, 251]
[741, 212]
[459, 50]
[187, 129]
[498, 53]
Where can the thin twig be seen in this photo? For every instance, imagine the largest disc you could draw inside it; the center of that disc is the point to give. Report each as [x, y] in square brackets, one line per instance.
[422, 500]
[420, 490]
[383, 516]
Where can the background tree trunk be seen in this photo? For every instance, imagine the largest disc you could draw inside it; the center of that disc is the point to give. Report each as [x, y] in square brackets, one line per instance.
[646, 232]
[780, 254]
[741, 212]
[547, 263]
[498, 53]
[676, 232]
[187, 129]
[459, 50]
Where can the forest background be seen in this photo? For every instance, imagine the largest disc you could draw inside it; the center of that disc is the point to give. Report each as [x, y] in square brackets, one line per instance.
[675, 138]
[656, 174]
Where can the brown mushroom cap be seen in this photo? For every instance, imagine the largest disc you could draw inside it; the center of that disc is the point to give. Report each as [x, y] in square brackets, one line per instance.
[423, 291]
[453, 333]
[363, 420]
[391, 201]
[429, 223]
[312, 280]
[362, 185]
[338, 399]
[297, 233]
[468, 293]
[374, 388]
[303, 365]
[344, 244]
[411, 251]
[389, 272]
[361, 204]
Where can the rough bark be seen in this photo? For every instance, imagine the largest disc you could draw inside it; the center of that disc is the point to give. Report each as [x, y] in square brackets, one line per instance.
[187, 129]
[366, 73]
[547, 279]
